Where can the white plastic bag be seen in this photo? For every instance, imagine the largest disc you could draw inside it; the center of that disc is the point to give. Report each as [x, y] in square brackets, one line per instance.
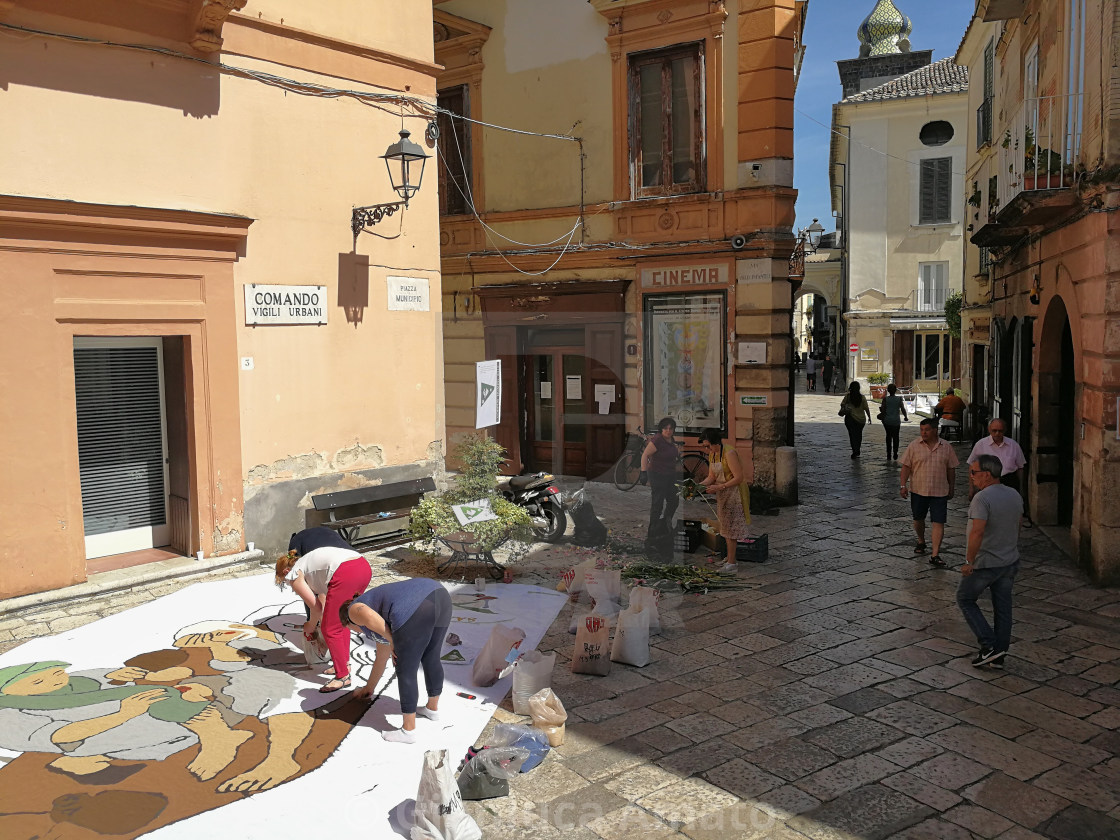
[549, 715]
[439, 813]
[590, 655]
[531, 673]
[631, 637]
[647, 598]
[314, 650]
[491, 660]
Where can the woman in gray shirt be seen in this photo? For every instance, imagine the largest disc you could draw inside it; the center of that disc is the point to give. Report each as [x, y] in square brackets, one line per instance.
[889, 413]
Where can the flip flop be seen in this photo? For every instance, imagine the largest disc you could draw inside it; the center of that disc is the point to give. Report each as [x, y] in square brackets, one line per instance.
[341, 684]
[935, 560]
[920, 548]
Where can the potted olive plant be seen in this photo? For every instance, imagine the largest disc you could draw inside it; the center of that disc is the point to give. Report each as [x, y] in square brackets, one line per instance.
[878, 383]
[474, 491]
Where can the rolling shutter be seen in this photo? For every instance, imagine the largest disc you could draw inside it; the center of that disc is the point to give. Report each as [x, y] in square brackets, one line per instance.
[121, 448]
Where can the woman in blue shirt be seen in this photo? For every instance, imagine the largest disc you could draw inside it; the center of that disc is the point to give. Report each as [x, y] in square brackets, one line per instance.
[408, 619]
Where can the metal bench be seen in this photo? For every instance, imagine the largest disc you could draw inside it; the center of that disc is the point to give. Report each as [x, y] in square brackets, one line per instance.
[401, 495]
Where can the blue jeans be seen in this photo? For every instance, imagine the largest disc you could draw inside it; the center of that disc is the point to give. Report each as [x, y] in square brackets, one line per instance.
[999, 580]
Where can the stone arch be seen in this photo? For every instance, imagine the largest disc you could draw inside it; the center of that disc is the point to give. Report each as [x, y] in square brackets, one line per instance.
[1056, 468]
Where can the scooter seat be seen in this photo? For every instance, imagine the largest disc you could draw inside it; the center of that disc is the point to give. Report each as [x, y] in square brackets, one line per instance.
[521, 482]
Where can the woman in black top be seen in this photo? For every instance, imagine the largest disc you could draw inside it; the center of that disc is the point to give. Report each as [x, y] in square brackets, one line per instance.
[659, 463]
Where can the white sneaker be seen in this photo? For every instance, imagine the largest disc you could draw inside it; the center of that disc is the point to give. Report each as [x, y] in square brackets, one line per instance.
[729, 568]
[424, 711]
[400, 736]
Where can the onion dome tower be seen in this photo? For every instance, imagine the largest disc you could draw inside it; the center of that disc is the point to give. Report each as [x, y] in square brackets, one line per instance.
[885, 31]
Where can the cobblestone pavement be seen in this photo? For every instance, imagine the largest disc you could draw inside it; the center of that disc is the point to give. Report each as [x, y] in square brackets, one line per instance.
[831, 697]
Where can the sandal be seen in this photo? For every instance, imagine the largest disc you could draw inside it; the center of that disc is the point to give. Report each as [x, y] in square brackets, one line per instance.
[935, 560]
[335, 685]
[920, 548]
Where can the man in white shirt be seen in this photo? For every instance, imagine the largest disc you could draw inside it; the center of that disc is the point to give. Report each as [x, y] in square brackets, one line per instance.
[1010, 455]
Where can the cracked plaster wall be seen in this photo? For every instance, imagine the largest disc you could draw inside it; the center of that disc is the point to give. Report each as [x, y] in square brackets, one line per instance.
[279, 496]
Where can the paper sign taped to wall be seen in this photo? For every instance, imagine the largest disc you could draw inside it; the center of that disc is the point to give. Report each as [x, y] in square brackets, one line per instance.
[488, 403]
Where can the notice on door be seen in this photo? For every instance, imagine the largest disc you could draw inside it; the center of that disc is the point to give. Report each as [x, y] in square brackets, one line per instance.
[604, 396]
[285, 304]
[546, 390]
[488, 404]
[573, 387]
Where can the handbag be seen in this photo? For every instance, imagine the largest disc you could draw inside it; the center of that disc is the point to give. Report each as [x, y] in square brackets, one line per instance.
[844, 410]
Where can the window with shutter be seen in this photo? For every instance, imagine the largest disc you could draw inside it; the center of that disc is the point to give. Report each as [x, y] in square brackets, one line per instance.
[935, 191]
[454, 147]
[122, 450]
[666, 121]
[933, 286]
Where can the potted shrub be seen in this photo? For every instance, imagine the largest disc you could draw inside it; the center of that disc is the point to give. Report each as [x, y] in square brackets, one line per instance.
[1042, 168]
[433, 520]
[878, 383]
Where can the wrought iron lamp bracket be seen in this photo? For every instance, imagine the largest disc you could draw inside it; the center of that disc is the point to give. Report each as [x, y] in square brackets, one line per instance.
[364, 217]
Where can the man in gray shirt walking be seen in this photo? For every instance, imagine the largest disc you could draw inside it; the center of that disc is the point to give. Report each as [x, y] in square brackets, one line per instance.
[991, 560]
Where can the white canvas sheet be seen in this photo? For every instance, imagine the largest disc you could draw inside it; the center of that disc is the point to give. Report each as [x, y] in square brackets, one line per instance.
[366, 788]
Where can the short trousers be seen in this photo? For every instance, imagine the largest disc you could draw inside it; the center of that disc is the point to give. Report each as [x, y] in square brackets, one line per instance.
[936, 506]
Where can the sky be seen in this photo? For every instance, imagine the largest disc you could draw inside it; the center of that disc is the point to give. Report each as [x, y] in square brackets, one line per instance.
[830, 36]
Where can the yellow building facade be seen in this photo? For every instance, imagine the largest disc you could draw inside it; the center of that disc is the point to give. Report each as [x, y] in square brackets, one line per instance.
[624, 252]
[194, 342]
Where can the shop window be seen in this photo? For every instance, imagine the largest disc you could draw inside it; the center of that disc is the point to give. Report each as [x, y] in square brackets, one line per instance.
[684, 361]
[935, 191]
[933, 286]
[666, 121]
[454, 148]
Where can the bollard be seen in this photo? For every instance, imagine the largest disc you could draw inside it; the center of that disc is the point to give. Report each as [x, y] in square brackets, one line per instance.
[785, 473]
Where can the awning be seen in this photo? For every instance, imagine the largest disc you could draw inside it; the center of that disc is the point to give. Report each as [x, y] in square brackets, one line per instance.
[919, 323]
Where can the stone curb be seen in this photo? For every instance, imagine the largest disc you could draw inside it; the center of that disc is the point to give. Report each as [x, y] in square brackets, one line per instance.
[108, 583]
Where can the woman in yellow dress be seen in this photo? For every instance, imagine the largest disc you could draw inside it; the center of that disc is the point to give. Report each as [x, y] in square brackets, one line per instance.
[727, 479]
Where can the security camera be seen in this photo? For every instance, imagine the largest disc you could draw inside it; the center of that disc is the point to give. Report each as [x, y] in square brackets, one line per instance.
[738, 242]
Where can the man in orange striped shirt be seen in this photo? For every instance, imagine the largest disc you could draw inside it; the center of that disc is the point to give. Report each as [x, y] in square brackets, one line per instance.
[929, 464]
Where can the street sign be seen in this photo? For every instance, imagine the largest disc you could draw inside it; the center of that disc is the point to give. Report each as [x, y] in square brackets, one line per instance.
[853, 348]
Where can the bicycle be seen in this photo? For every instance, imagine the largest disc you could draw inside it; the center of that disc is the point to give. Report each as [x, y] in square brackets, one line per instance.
[628, 468]
[629, 465]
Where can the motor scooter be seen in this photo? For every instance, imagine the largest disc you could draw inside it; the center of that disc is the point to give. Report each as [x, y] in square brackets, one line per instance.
[542, 498]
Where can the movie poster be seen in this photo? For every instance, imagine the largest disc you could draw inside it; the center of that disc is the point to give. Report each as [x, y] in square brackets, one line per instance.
[685, 360]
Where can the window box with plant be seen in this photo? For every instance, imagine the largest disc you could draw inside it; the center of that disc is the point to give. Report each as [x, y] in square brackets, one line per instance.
[433, 520]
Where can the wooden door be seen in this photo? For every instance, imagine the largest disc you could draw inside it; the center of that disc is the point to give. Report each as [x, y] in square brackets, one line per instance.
[557, 401]
[606, 424]
[902, 358]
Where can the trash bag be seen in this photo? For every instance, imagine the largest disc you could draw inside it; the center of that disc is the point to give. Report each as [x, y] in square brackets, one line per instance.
[648, 598]
[549, 715]
[491, 660]
[535, 741]
[590, 655]
[631, 637]
[439, 813]
[487, 774]
[531, 673]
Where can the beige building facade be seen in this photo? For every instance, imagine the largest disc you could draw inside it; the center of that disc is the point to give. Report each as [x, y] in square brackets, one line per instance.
[194, 342]
[898, 150]
[625, 256]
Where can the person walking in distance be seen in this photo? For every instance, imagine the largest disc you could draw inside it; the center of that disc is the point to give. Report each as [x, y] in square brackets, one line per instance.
[991, 560]
[929, 465]
[810, 374]
[828, 368]
[659, 464]
[856, 414]
[1010, 456]
[892, 412]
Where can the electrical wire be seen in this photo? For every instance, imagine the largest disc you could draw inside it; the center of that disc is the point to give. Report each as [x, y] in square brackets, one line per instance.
[851, 139]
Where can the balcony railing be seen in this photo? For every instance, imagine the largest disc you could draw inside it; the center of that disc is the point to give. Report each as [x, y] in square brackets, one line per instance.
[1040, 145]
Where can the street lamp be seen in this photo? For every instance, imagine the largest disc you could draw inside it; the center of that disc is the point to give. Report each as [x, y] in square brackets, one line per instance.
[405, 155]
[808, 240]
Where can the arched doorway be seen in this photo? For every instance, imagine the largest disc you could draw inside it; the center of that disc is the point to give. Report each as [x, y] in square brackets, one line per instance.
[1056, 471]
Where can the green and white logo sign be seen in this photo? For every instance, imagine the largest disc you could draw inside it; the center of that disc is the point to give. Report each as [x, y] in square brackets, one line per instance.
[476, 511]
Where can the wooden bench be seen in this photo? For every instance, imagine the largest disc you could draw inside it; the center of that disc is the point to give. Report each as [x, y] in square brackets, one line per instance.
[401, 494]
